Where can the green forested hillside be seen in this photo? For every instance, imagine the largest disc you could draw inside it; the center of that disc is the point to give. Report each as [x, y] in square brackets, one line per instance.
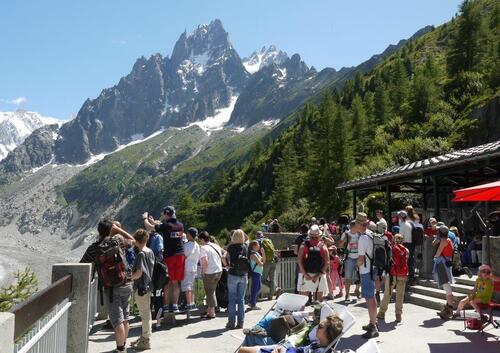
[413, 105]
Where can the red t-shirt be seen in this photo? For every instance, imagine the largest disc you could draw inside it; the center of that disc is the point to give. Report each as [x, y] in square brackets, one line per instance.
[448, 250]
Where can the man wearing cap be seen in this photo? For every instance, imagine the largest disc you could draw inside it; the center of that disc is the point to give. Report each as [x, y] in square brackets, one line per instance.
[405, 228]
[313, 260]
[173, 253]
[192, 253]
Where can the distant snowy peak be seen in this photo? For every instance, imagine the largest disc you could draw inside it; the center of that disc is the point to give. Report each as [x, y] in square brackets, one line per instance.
[16, 126]
[264, 57]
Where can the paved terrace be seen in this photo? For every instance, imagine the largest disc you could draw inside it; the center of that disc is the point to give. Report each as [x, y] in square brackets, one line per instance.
[421, 331]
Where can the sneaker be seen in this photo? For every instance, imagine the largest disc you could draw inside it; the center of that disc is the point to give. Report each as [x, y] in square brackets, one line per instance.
[328, 297]
[371, 332]
[467, 271]
[191, 307]
[143, 345]
[174, 309]
[455, 315]
[338, 295]
[347, 300]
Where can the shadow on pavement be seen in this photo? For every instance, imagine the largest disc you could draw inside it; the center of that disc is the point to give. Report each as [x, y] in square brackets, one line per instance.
[485, 347]
[208, 334]
[434, 322]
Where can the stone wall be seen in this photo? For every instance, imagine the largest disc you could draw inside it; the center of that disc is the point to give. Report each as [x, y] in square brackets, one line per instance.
[282, 241]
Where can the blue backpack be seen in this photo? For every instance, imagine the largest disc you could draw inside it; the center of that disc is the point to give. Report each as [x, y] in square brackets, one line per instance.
[130, 256]
[156, 244]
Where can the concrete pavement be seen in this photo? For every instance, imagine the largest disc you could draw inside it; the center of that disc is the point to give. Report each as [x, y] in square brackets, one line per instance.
[421, 331]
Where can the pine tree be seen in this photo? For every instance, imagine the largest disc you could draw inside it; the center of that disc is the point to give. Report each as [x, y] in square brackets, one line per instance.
[283, 194]
[381, 103]
[25, 286]
[399, 87]
[467, 47]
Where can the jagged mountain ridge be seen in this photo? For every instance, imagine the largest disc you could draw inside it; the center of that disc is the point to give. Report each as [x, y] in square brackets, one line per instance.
[203, 75]
[16, 126]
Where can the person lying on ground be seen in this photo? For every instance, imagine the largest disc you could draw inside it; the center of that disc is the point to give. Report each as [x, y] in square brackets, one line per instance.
[327, 331]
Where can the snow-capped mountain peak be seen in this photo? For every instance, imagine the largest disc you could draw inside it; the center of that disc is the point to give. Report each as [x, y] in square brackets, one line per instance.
[264, 57]
[16, 126]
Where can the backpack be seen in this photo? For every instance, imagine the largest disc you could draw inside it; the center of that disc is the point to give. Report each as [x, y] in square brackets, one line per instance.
[400, 261]
[111, 264]
[269, 250]
[160, 276]
[241, 266]
[314, 262]
[417, 234]
[156, 244]
[130, 255]
[382, 253]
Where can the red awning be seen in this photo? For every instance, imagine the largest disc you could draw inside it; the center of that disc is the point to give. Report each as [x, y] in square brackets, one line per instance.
[485, 192]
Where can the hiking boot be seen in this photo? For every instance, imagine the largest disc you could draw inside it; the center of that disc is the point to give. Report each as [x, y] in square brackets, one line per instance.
[143, 345]
[255, 331]
[357, 293]
[381, 316]
[366, 327]
[371, 332]
[239, 325]
[136, 342]
[399, 318]
[446, 313]
[467, 271]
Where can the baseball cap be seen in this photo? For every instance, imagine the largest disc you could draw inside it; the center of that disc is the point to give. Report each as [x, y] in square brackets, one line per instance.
[193, 231]
[259, 235]
[169, 210]
[403, 214]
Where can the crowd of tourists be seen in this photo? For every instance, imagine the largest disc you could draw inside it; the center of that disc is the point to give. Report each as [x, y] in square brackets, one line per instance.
[332, 257]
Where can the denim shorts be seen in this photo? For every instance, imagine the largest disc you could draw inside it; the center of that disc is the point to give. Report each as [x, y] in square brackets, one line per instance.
[349, 268]
[367, 286]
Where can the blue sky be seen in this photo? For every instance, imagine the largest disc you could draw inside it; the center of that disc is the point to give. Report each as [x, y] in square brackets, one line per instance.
[56, 54]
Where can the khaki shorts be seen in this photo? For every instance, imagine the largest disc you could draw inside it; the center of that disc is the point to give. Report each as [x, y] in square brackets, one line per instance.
[305, 285]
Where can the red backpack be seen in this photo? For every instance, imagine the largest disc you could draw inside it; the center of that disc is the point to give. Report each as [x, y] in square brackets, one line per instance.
[111, 264]
[400, 261]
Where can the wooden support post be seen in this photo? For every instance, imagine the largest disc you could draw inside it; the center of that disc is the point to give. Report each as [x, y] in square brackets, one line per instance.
[435, 189]
[354, 201]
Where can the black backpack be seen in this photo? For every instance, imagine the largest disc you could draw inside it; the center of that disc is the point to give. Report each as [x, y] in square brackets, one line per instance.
[382, 253]
[241, 265]
[314, 262]
[417, 235]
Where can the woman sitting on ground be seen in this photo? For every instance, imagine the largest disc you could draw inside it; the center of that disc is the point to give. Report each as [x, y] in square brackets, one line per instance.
[327, 331]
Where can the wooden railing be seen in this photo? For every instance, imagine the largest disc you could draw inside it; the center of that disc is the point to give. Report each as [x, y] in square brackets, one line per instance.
[41, 321]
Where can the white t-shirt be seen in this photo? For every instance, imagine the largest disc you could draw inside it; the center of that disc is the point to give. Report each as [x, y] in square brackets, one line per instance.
[405, 230]
[212, 251]
[352, 246]
[365, 248]
[192, 252]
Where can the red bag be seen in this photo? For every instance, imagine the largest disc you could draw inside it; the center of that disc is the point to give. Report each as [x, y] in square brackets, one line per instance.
[473, 323]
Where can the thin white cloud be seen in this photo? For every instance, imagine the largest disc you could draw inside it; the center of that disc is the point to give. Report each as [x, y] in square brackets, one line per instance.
[16, 101]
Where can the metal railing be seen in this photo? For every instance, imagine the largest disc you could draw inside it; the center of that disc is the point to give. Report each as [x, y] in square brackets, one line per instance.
[41, 322]
[93, 295]
[285, 273]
